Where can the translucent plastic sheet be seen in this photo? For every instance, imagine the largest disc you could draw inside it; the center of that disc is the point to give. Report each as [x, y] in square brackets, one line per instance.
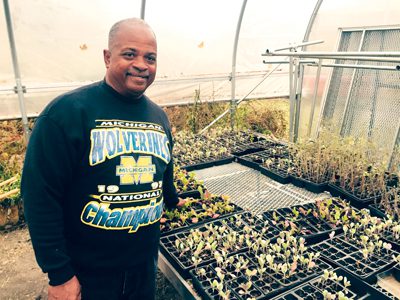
[61, 42]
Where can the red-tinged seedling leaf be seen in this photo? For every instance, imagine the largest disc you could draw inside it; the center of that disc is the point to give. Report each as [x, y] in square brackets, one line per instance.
[293, 267]
[292, 225]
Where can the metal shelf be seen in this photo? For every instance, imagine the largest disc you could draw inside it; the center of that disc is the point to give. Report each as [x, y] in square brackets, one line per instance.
[250, 190]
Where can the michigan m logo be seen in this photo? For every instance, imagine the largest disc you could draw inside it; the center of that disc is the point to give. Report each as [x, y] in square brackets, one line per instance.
[131, 171]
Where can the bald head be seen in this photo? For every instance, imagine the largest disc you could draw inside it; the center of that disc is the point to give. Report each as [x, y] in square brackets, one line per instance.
[131, 57]
[126, 24]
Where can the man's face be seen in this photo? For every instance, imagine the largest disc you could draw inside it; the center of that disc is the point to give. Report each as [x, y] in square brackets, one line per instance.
[131, 61]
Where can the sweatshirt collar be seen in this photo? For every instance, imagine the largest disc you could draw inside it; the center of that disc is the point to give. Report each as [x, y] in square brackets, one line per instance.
[120, 97]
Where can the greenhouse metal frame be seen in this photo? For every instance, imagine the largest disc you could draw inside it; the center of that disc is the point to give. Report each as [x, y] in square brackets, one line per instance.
[297, 61]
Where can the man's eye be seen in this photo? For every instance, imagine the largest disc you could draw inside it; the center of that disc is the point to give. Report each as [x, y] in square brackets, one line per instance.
[151, 58]
[128, 54]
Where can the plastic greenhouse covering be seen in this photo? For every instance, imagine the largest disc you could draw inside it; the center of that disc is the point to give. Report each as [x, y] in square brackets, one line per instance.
[59, 47]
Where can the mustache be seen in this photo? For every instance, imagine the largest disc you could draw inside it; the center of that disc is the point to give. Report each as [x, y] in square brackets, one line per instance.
[137, 74]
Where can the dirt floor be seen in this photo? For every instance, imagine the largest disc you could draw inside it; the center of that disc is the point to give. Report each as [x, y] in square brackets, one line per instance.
[21, 278]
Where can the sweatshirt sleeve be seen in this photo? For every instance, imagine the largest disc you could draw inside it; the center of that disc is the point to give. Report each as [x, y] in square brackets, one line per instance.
[169, 190]
[47, 171]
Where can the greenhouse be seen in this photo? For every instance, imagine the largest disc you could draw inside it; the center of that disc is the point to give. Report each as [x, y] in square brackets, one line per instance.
[285, 122]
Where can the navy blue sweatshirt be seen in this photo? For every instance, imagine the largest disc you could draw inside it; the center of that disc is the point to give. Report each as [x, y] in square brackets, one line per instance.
[97, 170]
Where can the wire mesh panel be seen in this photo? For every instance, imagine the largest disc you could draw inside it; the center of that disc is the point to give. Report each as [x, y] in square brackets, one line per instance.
[341, 79]
[366, 102]
[252, 190]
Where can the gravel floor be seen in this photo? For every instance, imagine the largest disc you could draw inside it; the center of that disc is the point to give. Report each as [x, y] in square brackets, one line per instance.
[21, 278]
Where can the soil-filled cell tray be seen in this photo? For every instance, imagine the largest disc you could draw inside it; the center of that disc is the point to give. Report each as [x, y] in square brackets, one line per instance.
[314, 289]
[345, 254]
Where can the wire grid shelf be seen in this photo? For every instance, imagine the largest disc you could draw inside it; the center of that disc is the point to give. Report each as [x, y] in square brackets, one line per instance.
[362, 102]
[253, 191]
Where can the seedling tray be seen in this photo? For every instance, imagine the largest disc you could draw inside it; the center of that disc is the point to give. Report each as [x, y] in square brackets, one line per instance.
[244, 149]
[379, 211]
[190, 194]
[376, 210]
[255, 161]
[209, 163]
[265, 286]
[309, 185]
[189, 224]
[241, 145]
[258, 223]
[203, 283]
[313, 289]
[276, 174]
[183, 264]
[389, 237]
[356, 201]
[186, 184]
[275, 149]
[313, 229]
[249, 163]
[339, 252]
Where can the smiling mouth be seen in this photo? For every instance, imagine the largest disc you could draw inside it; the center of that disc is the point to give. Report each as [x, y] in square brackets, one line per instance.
[138, 76]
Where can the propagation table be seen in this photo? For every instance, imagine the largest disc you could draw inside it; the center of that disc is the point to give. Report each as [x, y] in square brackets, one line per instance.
[250, 190]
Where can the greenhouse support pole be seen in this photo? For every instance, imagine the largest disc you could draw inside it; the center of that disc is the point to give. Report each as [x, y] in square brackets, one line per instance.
[143, 9]
[378, 59]
[389, 56]
[301, 75]
[366, 67]
[291, 97]
[296, 116]
[233, 74]
[317, 77]
[17, 74]
[295, 67]
[311, 23]
[395, 147]
[242, 99]
[373, 109]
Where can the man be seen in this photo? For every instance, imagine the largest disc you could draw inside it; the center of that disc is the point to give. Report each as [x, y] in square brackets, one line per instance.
[98, 168]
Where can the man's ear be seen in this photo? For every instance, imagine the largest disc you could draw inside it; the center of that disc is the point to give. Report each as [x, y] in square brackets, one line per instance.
[107, 57]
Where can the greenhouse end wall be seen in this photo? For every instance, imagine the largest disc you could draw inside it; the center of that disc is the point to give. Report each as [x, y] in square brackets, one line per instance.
[369, 24]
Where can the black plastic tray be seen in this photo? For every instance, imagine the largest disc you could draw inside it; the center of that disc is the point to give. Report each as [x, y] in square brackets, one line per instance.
[189, 225]
[166, 242]
[270, 288]
[309, 185]
[347, 256]
[190, 194]
[360, 203]
[248, 163]
[395, 272]
[319, 229]
[208, 164]
[358, 289]
[275, 175]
